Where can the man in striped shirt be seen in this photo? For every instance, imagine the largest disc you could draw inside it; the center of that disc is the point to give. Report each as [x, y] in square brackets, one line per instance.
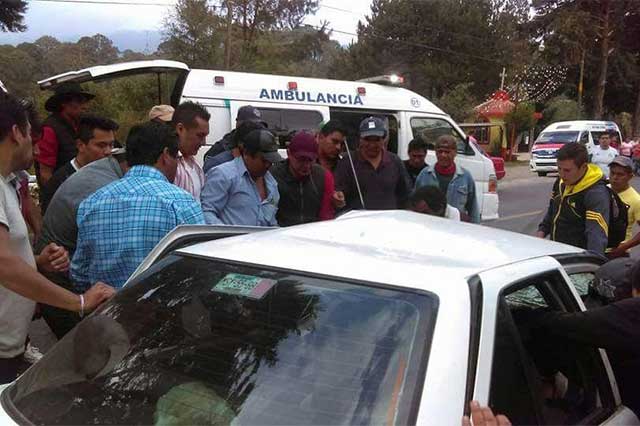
[191, 121]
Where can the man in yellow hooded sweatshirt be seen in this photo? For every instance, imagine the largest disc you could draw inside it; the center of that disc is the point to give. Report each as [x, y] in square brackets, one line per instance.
[578, 211]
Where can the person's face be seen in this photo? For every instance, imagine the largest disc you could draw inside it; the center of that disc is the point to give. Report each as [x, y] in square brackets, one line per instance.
[256, 165]
[569, 172]
[605, 141]
[169, 165]
[331, 144]
[75, 108]
[416, 158]
[619, 177]
[300, 166]
[371, 146]
[192, 138]
[24, 151]
[98, 147]
[445, 156]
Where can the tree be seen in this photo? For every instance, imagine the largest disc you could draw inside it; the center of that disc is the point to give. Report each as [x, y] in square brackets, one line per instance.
[439, 44]
[560, 108]
[459, 102]
[193, 34]
[98, 49]
[12, 15]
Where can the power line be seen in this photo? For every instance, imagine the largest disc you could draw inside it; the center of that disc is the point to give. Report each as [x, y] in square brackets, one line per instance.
[108, 2]
[424, 46]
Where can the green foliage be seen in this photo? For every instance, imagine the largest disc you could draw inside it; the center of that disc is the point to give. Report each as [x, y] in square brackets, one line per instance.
[192, 34]
[459, 102]
[560, 108]
[12, 15]
[521, 117]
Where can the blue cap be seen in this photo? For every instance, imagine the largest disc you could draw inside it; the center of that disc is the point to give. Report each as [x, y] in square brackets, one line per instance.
[372, 126]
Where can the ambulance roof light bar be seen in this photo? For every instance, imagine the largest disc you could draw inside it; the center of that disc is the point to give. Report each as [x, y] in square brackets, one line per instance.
[385, 80]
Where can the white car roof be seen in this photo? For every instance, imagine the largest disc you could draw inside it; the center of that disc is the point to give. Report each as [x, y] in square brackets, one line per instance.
[582, 125]
[393, 247]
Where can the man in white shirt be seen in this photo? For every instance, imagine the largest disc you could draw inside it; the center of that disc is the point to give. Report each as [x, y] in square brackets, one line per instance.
[603, 154]
[432, 201]
[191, 121]
[20, 283]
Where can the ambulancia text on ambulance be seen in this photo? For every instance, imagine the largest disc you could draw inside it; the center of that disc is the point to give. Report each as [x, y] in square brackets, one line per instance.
[288, 104]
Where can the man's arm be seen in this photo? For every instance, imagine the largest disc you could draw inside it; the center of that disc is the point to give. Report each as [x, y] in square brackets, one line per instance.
[189, 212]
[47, 154]
[214, 196]
[609, 327]
[344, 179]
[596, 201]
[472, 200]
[403, 186]
[19, 277]
[544, 228]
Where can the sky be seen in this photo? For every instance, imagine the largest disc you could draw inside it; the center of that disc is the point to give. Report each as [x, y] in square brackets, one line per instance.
[68, 21]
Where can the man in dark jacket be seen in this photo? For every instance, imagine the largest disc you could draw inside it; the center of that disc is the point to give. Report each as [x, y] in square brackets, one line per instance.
[613, 327]
[57, 146]
[578, 212]
[226, 149]
[306, 188]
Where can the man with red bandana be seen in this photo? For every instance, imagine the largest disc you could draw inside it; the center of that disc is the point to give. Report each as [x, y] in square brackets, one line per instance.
[452, 179]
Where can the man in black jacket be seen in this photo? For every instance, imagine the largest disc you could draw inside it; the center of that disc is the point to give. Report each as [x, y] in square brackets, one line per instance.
[614, 327]
[578, 212]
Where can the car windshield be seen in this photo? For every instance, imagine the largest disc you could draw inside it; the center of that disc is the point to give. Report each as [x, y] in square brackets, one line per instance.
[198, 341]
[557, 137]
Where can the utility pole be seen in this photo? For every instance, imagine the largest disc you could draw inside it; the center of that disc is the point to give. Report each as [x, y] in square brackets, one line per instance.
[227, 43]
[581, 83]
[503, 75]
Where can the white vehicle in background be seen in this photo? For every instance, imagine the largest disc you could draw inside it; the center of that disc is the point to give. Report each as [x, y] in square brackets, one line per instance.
[350, 321]
[556, 135]
[289, 104]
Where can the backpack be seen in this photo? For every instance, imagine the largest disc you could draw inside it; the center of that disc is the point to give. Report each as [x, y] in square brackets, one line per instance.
[618, 219]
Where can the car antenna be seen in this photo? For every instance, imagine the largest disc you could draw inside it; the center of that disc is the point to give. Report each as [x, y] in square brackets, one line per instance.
[355, 176]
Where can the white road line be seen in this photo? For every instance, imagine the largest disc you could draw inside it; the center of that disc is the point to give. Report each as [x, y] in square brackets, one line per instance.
[518, 216]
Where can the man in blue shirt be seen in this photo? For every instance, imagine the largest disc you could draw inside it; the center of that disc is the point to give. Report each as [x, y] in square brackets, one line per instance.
[120, 223]
[242, 191]
[453, 180]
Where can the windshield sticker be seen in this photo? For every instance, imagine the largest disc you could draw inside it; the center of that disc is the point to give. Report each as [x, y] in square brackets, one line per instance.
[244, 285]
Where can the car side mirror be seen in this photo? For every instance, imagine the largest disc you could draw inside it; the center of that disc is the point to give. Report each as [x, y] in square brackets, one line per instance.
[468, 149]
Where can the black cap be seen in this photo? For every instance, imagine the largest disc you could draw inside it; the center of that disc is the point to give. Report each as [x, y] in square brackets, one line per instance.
[249, 113]
[372, 126]
[622, 161]
[263, 141]
[64, 92]
[613, 279]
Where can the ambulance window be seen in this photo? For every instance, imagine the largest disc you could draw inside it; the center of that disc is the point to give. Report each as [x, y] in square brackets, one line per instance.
[430, 129]
[285, 122]
[351, 120]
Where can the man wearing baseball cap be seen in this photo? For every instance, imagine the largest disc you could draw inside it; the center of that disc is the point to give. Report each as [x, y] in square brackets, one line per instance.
[620, 175]
[305, 187]
[380, 182]
[242, 191]
[226, 148]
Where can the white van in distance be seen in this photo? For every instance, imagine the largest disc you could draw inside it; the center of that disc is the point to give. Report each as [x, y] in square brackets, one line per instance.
[289, 104]
[554, 136]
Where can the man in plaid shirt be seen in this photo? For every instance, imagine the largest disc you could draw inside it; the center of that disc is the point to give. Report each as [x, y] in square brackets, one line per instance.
[121, 223]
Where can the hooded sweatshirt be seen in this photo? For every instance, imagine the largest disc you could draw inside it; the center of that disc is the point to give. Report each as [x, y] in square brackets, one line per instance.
[579, 214]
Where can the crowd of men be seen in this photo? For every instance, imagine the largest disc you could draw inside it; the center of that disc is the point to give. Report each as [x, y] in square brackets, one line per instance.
[104, 206]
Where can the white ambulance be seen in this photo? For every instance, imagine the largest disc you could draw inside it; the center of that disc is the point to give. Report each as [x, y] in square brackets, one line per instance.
[289, 104]
[556, 135]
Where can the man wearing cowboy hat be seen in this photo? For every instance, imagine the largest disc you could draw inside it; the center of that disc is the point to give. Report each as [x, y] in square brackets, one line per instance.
[57, 145]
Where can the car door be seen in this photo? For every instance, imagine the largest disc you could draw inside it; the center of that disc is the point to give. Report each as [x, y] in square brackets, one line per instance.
[528, 376]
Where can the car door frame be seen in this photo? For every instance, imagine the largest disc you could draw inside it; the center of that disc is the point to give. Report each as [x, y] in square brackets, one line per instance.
[495, 281]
